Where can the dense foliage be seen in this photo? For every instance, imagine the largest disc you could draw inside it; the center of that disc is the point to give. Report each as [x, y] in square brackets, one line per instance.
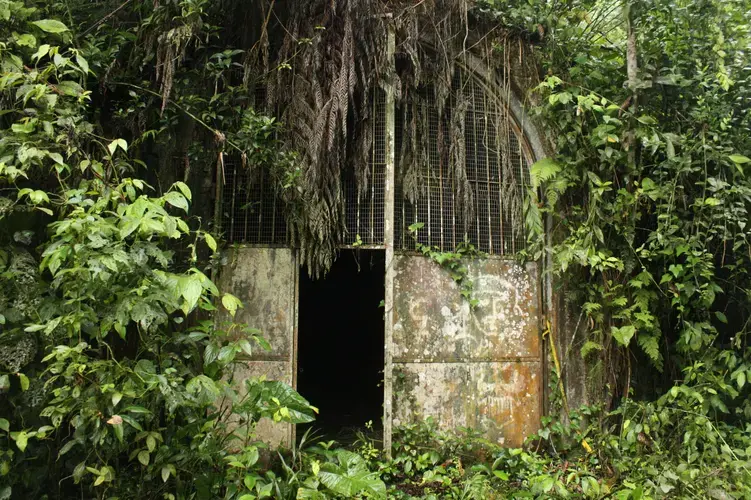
[117, 350]
[116, 368]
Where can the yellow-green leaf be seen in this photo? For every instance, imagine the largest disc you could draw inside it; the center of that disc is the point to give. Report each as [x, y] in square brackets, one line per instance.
[210, 241]
[50, 26]
[24, 381]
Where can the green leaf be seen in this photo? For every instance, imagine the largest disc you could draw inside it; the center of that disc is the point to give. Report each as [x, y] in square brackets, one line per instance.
[210, 241]
[82, 63]
[50, 26]
[21, 439]
[720, 316]
[118, 430]
[24, 381]
[135, 409]
[4, 425]
[131, 422]
[42, 51]
[624, 334]
[647, 120]
[67, 447]
[503, 476]
[165, 473]
[249, 481]
[127, 226]
[117, 143]
[143, 457]
[26, 40]
[184, 189]
[231, 303]
[177, 200]
[70, 88]
[739, 159]
[191, 292]
[26, 127]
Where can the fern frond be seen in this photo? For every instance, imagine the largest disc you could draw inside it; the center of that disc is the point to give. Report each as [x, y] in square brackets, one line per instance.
[651, 347]
[542, 171]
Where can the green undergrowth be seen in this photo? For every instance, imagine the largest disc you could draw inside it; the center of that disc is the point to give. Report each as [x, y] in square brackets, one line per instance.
[639, 451]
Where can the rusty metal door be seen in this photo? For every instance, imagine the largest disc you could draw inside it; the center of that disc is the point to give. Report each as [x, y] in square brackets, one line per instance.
[265, 279]
[480, 369]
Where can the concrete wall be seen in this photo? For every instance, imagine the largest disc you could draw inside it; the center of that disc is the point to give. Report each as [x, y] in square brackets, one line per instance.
[265, 280]
[481, 368]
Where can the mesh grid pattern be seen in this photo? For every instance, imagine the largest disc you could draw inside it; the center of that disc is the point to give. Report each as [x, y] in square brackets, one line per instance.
[495, 225]
[364, 208]
[251, 211]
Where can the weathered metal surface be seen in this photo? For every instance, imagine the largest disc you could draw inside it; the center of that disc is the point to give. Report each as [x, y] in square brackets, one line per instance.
[264, 280]
[501, 399]
[432, 322]
[388, 240]
[481, 368]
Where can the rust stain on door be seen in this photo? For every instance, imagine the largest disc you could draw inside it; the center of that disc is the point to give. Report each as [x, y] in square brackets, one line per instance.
[481, 368]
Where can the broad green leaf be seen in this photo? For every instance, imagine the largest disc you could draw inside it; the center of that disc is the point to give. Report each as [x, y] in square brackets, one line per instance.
[143, 457]
[231, 303]
[82, 63]
[27, 40]
[131, 422]
[50, 25]
[184, 189]
[117, 143]
[739, 159]
[624, 334]
[127, 226]
[25, 127]
[177, 200]
[21, 438]
[42, 51]
[4, 425]
[191, 292]
[70, 88]
[503, 476]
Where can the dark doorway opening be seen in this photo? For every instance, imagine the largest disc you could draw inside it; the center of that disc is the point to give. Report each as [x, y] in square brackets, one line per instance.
[341, 344]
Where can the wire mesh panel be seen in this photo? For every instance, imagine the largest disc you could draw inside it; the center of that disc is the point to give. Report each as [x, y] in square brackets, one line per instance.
[251, 211]
[364, 188]
[484, 203]
[253, 214]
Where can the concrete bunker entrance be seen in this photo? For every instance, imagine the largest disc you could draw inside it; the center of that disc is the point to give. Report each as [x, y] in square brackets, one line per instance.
[341, 344]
